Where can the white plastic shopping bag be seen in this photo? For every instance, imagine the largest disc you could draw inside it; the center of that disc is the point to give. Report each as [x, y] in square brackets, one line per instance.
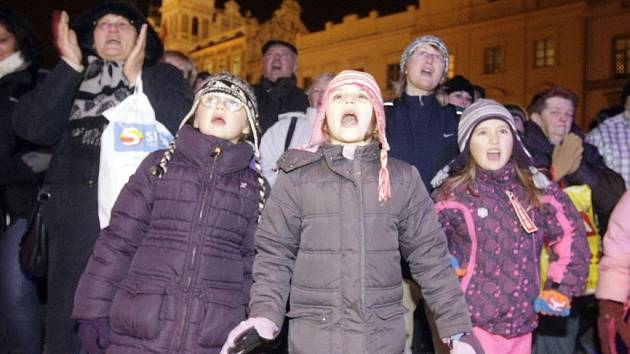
[132, 133]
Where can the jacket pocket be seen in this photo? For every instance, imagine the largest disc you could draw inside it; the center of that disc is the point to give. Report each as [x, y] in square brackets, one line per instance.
[136, 307]
[224, 310]
[310, 329]
[387, 329]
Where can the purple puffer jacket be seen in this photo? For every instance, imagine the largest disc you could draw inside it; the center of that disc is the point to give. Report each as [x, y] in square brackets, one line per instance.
[501, 259]
[172, 271]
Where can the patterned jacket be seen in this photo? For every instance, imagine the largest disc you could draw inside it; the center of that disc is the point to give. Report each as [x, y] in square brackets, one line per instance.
[501, 259]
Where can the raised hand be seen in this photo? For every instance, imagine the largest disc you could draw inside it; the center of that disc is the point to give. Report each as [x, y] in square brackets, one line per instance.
[135, 60]
[66, 39]
[567, 156]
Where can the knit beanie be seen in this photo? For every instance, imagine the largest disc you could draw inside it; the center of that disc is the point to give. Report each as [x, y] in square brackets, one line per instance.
[366, 82]
[482, 110]
[426, 39]
[229, 86]
[459, 83]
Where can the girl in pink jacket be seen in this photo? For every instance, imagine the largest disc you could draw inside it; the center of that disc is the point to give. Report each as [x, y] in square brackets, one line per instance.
[613, 287]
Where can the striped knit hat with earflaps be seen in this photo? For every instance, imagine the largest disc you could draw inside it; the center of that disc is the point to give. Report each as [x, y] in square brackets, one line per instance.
[481, 110]
[225, 85]
[366, 82]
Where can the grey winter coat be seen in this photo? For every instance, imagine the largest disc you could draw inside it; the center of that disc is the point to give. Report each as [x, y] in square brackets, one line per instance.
[325, 240]
[172, 271]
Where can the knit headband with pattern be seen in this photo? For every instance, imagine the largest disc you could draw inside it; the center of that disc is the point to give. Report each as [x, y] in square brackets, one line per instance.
[481, 110]
[228, 86]
[366, 82]
[422, 40]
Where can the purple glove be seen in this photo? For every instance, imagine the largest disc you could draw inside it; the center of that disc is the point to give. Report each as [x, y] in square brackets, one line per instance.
[467, 344]
[94, 335]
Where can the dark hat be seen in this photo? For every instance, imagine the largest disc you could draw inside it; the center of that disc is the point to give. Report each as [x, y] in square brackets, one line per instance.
[272, 42]
[459, 83]
[625, 93]
[84, 28]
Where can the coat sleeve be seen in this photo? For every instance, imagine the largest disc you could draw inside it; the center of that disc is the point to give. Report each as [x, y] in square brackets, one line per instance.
[457, 231]
[424, 246]
[42, 114]
[565, 234]
[117, 244]
[169, 94]
[247, 253]
[277, 241]
[614, 267]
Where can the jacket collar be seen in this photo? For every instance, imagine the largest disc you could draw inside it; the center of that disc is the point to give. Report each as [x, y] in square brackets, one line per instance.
[428, 100]
[294, 159]
[283, 82]
[203, 149]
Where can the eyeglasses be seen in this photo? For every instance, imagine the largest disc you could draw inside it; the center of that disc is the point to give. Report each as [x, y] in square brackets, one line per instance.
[121, 26]
[230, 104]
[424, 55]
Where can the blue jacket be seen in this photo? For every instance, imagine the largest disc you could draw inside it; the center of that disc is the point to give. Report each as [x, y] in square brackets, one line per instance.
[422, 133]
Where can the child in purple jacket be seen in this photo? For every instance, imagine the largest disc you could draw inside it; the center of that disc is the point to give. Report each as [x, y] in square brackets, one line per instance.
[497, 212]
[172, 271]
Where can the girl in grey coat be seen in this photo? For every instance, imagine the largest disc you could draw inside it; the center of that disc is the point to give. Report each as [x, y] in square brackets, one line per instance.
[332, 233]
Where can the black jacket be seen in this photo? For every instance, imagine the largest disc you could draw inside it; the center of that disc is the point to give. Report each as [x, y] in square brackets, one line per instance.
[422, 133]
[278, 97]
[18, 183]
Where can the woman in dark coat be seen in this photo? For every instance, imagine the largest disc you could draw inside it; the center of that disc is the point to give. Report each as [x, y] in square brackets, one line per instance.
[21, 167]
[101, 57]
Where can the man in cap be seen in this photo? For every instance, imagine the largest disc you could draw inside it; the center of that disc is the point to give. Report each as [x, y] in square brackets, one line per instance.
[422, 131]
[277, 92]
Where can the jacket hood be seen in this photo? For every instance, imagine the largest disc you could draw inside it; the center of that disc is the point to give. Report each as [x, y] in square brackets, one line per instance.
[84, 28]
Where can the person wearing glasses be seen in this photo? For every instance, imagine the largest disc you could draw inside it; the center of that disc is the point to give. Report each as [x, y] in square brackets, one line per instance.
[101, 55]
[277, 92]
[172, 271]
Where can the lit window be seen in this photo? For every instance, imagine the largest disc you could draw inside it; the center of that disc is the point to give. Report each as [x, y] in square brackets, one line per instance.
[393, 75]
[621, 53]
[544, 53]
[221, 66]
[236, 65]
[493, 62]
[451, 65]
[185, 23]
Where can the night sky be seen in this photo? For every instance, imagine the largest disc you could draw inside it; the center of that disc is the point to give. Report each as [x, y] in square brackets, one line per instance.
[315, 13]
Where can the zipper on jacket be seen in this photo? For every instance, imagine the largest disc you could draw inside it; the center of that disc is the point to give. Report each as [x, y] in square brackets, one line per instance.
[193, 255]
[356, 166]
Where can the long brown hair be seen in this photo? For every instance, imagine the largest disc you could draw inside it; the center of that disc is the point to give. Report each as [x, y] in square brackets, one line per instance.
[467, 175]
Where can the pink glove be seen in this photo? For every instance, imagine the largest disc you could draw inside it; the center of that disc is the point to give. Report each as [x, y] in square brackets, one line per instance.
[265, 328]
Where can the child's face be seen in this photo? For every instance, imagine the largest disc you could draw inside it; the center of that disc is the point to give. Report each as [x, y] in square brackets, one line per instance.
[491, 144]
[221, 117]
[350, 116]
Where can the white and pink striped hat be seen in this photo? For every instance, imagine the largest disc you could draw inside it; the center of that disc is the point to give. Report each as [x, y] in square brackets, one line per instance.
[369, 85]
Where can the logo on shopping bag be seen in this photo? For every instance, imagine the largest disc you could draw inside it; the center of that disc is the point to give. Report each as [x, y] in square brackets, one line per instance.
[131, 136]
[135, 137]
